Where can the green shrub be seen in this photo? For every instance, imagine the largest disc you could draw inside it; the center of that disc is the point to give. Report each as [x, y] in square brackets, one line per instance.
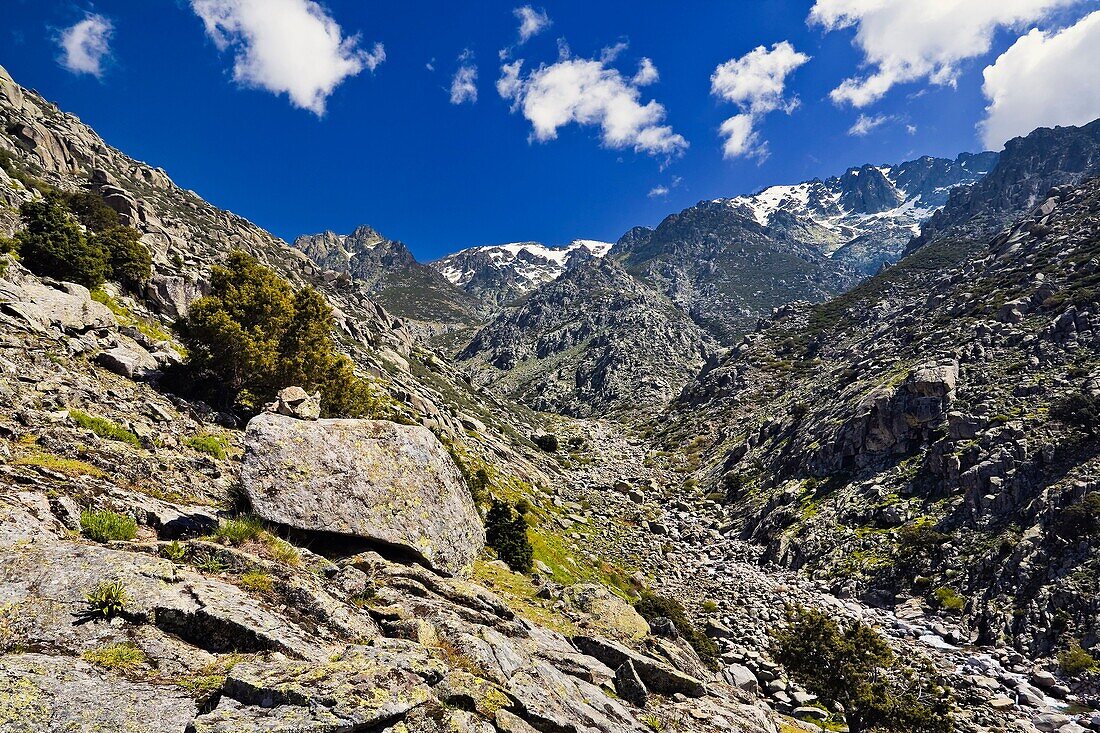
[52, 244]
[106, 526]
[1075, 661]
[1080, 519]
[949, 599]
[238, 531]
[710, 606]
[92, 211]
[107, 599]
[255, 336]
[853, 667]
[506, 532]
[1080, 410]
[130, 261]
[174, 551]
[125, 658]
[652, 606]
[211, 445]
[104, 428]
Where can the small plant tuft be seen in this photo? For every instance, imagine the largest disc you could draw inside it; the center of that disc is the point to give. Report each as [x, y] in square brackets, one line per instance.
[108, 599]
[949, 599]
[236, 532]
[174, 551]
[257, 581]
[106, 526]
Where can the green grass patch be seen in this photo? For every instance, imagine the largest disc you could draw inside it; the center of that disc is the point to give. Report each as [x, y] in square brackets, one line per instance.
[256, 581]
[106, 526]
[214, 446]
[238, 531]
[69, 466]
[124, 658]
[251, 532]
[126, 317]
[104, 428]
[519, 592]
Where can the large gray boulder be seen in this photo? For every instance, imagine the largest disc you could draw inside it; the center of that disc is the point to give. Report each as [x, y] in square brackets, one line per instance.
[391, 484]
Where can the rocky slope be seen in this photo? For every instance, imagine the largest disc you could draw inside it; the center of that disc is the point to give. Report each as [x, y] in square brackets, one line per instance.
[1028, 168]
[187, 236]
[948, 462]
[392, 276]
[592, 341]
[500, 274]
[723, 268]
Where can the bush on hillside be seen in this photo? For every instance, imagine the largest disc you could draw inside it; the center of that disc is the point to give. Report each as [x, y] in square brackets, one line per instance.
[52, 244]
[1081, 518]
[853, 668]
[1080, 410]
[255, 335]
[652, 606]
[506, 533]
[1075, 661]
[548, 443]
[130, 261]
[92, 211]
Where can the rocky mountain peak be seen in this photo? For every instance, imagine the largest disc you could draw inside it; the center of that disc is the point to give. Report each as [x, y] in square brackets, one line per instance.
[866, 190]
[499, 274]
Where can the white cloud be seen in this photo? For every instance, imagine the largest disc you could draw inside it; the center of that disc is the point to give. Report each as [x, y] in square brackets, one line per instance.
[85, 45]
[287, 46]
[464, 82]
[589, 92]
[755, 83]
[1042, 80]
[911, 129]
[910, 40]
[647, 73]
[661, 190]
[866, 124]
[531, 22]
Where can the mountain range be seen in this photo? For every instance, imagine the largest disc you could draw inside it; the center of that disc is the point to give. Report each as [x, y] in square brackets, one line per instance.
[790, 399]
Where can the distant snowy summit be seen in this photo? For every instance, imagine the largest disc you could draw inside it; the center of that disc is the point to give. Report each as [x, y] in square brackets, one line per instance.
[866, 216]
[501, 273]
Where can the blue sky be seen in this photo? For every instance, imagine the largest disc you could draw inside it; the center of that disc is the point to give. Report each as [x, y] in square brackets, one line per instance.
[391, 149]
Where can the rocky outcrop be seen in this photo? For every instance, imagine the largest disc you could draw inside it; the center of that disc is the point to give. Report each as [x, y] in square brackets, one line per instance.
[594, 341]
[46, 304]
[376, 480]
[41, 692]
[1029, 167]
[393, 277]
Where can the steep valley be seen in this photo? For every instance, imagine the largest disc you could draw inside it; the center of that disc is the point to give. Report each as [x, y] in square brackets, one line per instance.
[758, 405]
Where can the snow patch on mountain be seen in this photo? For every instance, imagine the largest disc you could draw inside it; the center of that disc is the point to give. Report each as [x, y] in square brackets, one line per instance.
[522, 266]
